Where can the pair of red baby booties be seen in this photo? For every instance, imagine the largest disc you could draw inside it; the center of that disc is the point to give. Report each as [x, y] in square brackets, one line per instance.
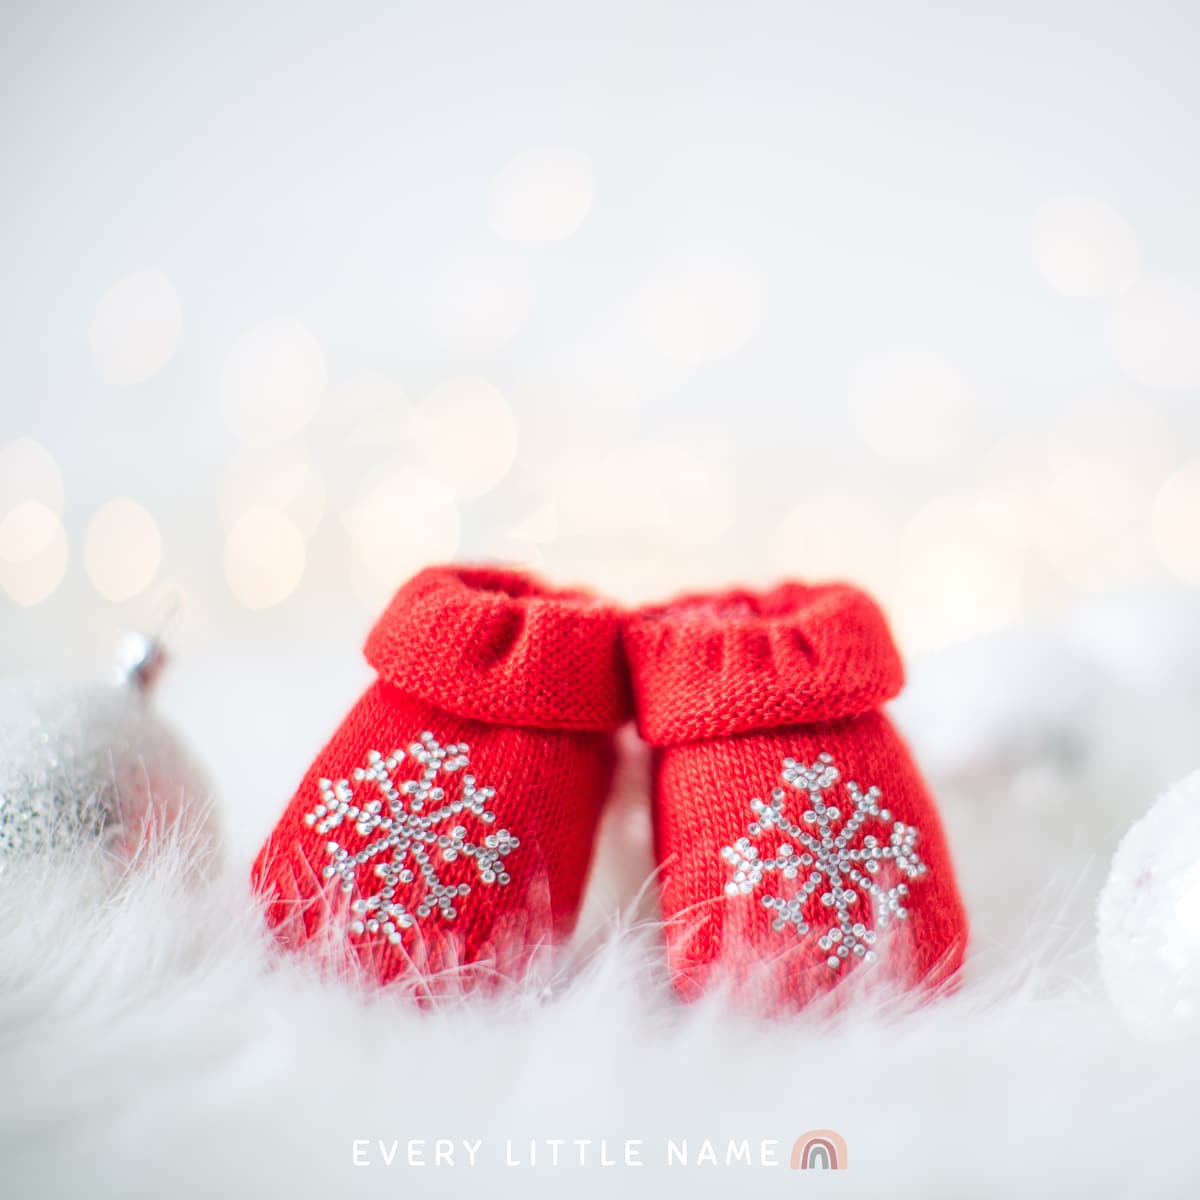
[446, 830]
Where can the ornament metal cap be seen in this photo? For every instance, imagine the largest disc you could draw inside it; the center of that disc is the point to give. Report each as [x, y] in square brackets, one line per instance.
[139, 661]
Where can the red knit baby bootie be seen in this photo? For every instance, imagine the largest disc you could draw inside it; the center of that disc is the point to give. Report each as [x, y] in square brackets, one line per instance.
[450, 821]
[797, 843]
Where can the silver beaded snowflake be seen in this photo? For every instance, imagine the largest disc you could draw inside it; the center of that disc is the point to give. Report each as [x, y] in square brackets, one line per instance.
[832, 859]
[407, 826]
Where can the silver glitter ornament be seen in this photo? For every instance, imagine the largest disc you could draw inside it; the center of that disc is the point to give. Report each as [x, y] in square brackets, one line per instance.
[91, 764]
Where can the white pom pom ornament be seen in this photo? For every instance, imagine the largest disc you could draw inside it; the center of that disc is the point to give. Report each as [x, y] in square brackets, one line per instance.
[1149, 915]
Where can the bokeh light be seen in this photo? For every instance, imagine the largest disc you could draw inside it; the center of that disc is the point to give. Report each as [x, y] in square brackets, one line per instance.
[467, 433]
[1154, 328]
[122, 549]
[280, 478]
[25, 529]
[847, 535]
[541, 195]
[400, 520]
[701, 303]
[1175, 523]
[1117, 424]
[33, 552]
[594, 433]
[28, 471]
[1091, 523]
[912, 404]
[585, 395]
[1082, 247]
[480, 299]
[373, 410]
[273, 382]
[653, 489]
[264, 558]
[1015, 466]
[1087, 511]
[136, 328]
[539, 526]
[962, 567]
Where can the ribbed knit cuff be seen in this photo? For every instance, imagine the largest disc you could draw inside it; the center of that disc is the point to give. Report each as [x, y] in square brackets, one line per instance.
[500, 646]
[709, 666]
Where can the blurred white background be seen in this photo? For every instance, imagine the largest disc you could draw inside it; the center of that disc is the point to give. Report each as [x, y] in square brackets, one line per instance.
[296, 298]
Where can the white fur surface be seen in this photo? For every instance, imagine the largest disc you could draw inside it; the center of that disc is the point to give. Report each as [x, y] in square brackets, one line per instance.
[154, 1044]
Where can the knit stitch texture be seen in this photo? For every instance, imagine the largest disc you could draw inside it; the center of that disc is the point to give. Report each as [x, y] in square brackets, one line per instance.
[527, 685]
[730, 689]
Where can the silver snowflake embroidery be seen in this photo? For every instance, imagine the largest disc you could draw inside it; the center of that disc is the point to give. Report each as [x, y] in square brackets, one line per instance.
[407, 827]
[832, 859]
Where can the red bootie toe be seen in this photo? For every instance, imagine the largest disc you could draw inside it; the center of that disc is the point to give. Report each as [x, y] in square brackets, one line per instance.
[797, 844]
[449, 822]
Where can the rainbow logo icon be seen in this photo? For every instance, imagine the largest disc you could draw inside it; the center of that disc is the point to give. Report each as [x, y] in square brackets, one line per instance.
[819, 1149]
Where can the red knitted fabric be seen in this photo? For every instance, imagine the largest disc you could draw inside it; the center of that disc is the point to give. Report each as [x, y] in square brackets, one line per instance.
[783, 871]
[450, 820]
